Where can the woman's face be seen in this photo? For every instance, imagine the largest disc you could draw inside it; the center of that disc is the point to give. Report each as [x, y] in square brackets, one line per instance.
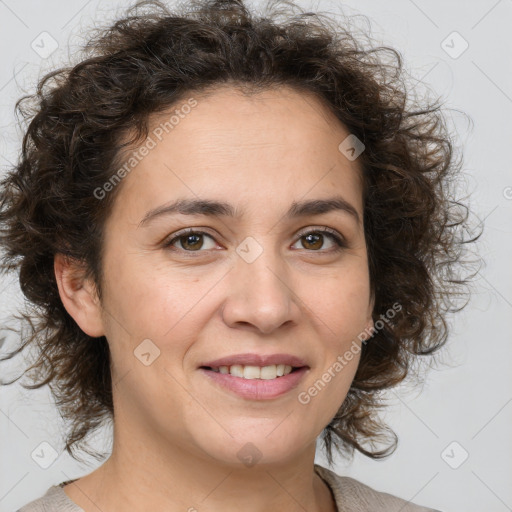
[253, 283]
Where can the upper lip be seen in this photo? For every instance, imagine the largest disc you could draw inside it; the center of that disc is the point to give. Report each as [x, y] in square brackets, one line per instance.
[256, 360]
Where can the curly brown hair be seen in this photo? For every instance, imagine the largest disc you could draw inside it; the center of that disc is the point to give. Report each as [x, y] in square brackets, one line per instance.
[150, 59]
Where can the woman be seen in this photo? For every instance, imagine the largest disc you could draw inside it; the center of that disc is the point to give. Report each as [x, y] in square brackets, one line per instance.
[236, 232]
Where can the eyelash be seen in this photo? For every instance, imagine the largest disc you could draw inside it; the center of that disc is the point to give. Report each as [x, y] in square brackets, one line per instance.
[338, 240]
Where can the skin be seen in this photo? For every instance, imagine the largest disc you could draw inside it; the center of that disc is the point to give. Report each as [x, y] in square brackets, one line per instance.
[176, 435]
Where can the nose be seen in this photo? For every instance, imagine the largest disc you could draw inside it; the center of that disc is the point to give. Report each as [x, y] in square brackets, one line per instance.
[259, 294]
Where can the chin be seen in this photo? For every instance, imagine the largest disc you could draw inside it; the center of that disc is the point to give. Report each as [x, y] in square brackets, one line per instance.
[260, 444]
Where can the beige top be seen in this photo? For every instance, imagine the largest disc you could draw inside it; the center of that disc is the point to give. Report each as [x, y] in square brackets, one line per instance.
[349, 494]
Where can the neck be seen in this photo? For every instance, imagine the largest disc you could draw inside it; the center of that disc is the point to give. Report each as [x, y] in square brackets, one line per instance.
[143, 476]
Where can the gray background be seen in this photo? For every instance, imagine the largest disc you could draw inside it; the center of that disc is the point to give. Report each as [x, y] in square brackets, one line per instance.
[464, 409]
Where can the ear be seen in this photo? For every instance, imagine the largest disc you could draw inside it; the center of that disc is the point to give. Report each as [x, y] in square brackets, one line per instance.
[78, 295]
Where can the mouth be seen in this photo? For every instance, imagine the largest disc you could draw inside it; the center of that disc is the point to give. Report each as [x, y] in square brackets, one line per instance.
[254, 382]
[250, 372]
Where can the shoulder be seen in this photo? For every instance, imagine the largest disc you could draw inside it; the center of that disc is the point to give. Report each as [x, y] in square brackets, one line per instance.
[354, 496]
[54, 500]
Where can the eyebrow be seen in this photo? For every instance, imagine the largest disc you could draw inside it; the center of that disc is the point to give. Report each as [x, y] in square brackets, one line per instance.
[214, 208]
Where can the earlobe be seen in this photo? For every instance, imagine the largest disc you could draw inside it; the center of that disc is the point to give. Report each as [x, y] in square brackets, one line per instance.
[368, 330]
[78, 295]
[370, 325]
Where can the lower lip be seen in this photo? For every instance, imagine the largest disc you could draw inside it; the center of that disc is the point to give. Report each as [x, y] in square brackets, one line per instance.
[257, 389]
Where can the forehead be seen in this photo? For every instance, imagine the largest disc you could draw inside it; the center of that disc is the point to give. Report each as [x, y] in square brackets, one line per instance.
[276, 116]
[275, 143]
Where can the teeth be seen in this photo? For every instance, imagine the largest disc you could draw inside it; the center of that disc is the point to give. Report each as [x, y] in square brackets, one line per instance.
[236, 370]
[255, 372]
[267, 372]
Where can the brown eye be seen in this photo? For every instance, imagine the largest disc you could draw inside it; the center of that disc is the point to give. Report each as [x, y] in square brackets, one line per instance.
[315, 240]
[191, 241]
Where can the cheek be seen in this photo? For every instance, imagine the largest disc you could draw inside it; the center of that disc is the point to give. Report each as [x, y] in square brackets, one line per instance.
[339, 311]
[341, 304]
[327, 389]
[150, 300]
